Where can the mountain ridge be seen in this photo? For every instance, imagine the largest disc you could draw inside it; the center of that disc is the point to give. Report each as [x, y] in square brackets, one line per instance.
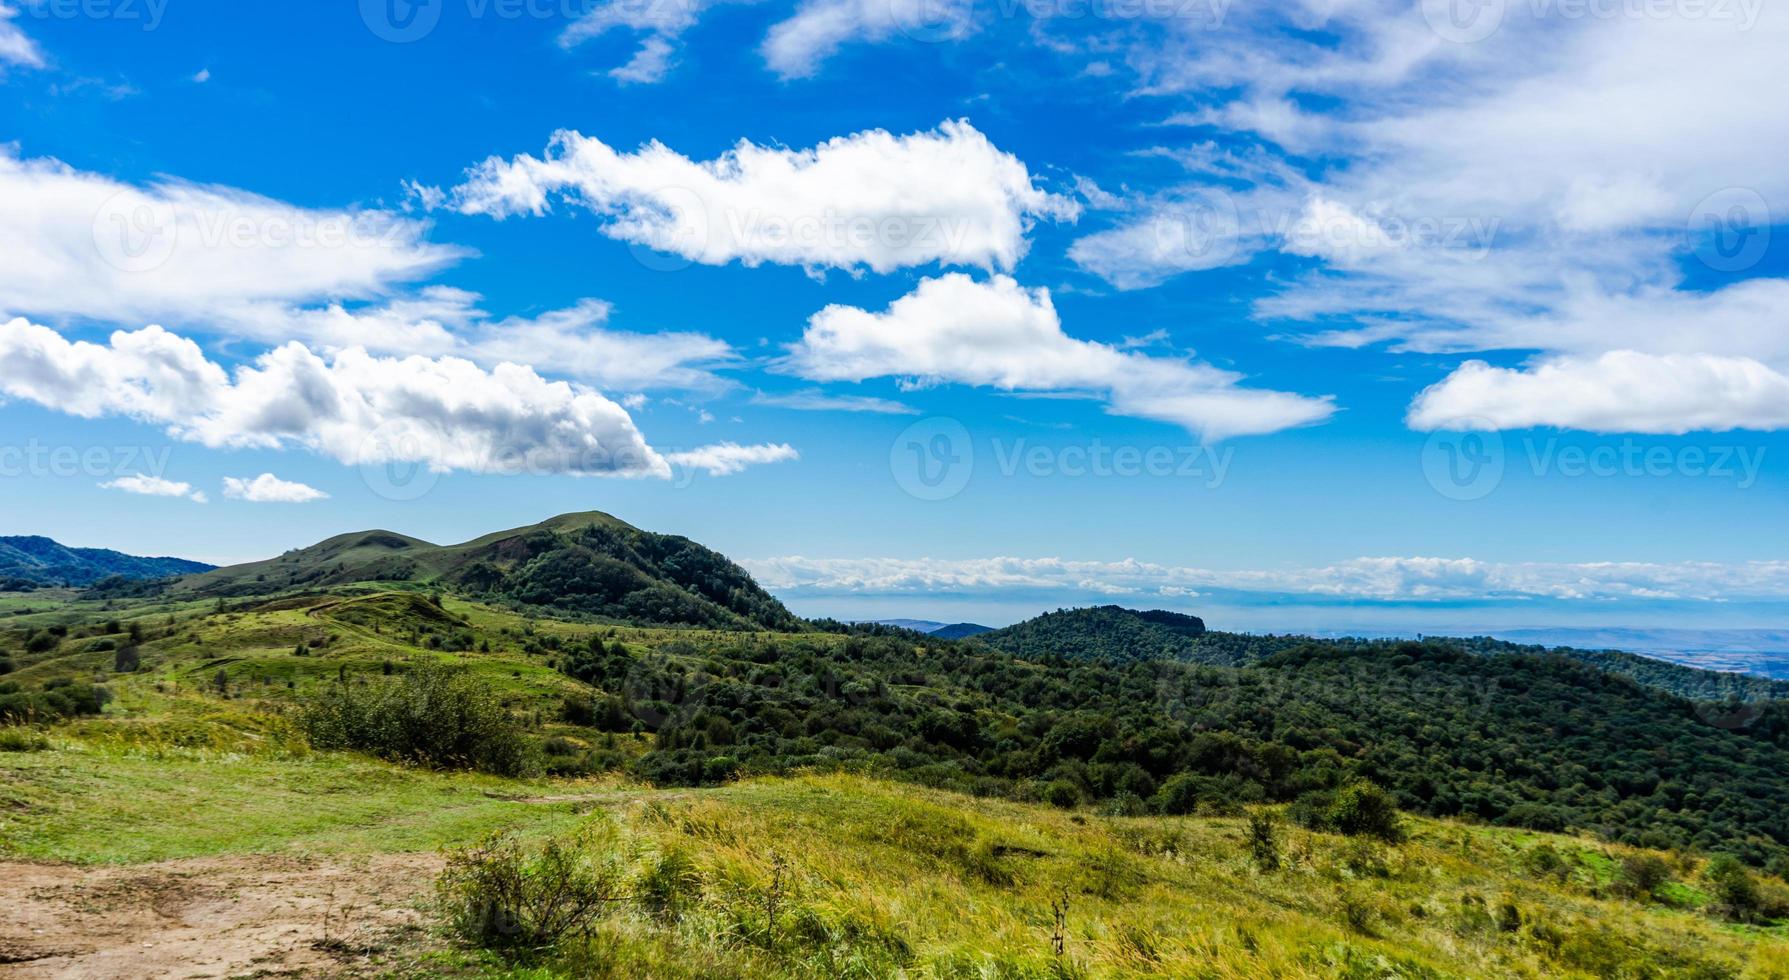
[44, 561]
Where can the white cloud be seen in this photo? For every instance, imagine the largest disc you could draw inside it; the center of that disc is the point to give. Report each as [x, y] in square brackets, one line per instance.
[15, 47]
[574, 342]
[815, 400]
[998, 334]
[354, 407]
[154, 486]
[870, 200]
[1542, 189]
[270, 489]
[1374, 579]
[796, 47]
[77, 244]
[727, 458]
[202, 76]
[659, 23]
[1620, 391]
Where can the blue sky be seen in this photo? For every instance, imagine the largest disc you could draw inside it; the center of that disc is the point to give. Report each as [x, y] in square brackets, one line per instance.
[1324, 314]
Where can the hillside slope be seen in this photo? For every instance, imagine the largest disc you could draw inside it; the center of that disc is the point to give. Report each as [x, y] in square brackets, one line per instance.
[42, 561]
[818, 876]
[588, 563]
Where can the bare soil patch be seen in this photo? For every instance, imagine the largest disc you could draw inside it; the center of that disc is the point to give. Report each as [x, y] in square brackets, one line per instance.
[211, 917]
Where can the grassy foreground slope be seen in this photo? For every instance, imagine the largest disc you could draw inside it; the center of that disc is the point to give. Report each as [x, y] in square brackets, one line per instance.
[870, 878]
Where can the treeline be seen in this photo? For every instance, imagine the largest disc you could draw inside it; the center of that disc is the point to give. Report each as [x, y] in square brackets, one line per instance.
[1541, 742]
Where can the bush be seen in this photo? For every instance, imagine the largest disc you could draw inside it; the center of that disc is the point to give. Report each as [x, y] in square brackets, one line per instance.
[1735, 891]
[433, 716]
[1358, 809]
[126, 660]
[1641, 875]
[60, 698]
[22, 740]
[497, 895]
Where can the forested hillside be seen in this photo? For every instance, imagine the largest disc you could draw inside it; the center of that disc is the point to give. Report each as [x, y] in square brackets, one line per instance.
[34, 561]
[1535, 741]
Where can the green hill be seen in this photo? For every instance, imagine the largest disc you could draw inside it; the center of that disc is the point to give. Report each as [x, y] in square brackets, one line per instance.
[36, 560]
[1105, 633]
[589, 564]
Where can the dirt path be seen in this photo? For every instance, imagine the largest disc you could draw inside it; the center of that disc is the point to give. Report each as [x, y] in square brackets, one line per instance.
[209, 917]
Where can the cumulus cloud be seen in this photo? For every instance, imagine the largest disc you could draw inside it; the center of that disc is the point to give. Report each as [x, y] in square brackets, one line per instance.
[154, 486]
[80, 244]
[270, 489]
[1375, 578]
[796, 47]
[727, 458]
[869, 200]
[998, 334]
[576, 342]
[352, 406]
[446, 412]
[1620, 391]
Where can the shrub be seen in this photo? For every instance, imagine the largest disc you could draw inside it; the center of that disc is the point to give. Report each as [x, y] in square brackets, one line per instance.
[126, 660]
[1358, 809]
[1735, 891]
[1062, 793]
[1264, 840]
[58, 699]
[22, 740]
[433, 716]
[1641, 875]
[497, 895]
